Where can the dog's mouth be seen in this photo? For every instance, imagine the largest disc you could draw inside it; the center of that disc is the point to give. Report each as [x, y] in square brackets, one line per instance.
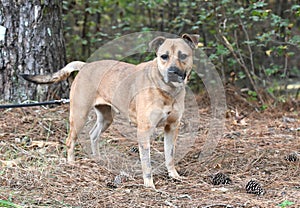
[176, 75]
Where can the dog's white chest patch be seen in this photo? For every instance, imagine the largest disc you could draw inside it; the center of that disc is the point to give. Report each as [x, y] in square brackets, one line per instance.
[166, 111]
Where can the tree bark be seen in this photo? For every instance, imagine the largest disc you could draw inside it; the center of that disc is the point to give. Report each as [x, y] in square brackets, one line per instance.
[31, 42]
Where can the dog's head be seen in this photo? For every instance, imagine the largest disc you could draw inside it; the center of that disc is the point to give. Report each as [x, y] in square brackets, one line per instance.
[175, 57]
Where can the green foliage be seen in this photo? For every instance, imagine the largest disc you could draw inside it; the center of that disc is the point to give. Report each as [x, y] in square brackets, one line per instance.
[252, 95]
[264, 107]
[4, 203]
[285, 203]
[262, 35]
[273, 69]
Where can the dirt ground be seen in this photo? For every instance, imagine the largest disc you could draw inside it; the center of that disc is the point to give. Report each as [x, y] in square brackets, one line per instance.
[255, 145]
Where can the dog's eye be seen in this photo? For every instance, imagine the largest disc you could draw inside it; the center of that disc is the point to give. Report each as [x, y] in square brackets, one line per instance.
[182, 56]
[164, 57]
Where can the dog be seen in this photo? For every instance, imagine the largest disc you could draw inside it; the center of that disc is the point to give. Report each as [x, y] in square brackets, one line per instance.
[150, 94]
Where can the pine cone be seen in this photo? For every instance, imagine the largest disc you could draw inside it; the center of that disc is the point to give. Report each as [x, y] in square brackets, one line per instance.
[220, 178]
[253, 187]
[293, 157]
[134, 150]
[121, 178]
[111, 185]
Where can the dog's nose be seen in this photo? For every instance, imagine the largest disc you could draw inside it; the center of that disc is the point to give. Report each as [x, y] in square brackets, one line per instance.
[175, 74]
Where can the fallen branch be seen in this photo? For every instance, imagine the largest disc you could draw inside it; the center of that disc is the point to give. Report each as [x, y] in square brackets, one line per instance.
[219, 205]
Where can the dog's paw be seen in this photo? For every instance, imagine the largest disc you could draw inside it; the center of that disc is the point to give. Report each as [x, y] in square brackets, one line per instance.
[149, 184]
[71, 159]
[174, 174]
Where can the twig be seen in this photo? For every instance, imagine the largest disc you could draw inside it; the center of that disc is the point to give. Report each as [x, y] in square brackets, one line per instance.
[283, 43]
[219, 205]
[248, 45]
[223, 70]
[253, 162]
[285, 71]
[20, 149]
[170, 204]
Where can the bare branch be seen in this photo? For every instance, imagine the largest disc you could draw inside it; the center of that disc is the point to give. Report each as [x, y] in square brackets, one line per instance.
[241, 62]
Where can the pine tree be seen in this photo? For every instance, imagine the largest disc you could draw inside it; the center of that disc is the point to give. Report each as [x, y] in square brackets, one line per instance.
[31, 41]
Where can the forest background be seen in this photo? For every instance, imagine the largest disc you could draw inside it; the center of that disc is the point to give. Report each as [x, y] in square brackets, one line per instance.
[253, 44]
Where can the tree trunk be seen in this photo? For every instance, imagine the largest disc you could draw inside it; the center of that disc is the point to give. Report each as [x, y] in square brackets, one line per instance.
[31, 42]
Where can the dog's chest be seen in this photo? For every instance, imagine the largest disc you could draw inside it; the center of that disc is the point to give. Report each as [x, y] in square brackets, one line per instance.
[156, 115]
[166, 113]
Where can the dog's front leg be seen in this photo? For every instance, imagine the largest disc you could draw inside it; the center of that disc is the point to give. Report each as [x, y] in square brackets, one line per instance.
[170, 137]
[144, 149]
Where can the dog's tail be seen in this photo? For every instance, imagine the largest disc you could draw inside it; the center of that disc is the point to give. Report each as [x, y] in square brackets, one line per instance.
[55, 77]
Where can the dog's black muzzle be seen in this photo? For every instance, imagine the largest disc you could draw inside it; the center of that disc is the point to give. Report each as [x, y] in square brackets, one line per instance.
[176, 75]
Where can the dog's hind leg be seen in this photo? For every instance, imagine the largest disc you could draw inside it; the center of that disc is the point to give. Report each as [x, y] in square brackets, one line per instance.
[77, 121]
[104, 119]
[79, 110]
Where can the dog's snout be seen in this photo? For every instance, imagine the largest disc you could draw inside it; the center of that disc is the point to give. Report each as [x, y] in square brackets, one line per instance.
[175, 74]
[177, 71]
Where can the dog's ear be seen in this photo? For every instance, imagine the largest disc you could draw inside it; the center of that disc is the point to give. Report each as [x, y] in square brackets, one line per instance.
[192, 40]
[156, 42]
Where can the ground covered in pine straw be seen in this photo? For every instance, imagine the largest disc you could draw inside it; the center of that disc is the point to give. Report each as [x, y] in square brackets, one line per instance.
[255, 145]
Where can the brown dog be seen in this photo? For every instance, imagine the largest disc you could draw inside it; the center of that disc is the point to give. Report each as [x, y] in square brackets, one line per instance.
[149, 94]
